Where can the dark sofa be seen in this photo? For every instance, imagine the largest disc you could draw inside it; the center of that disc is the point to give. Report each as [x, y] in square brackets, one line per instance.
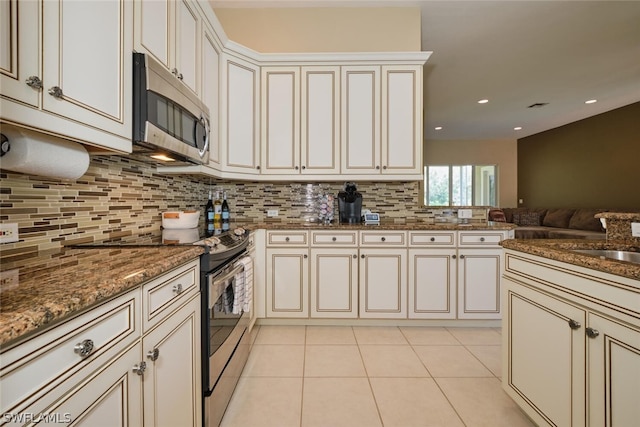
[542, 223]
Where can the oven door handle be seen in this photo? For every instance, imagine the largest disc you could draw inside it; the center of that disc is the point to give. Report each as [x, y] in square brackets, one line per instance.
[229, 275]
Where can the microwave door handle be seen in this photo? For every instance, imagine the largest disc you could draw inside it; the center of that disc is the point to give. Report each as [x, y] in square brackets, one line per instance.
[205, 123]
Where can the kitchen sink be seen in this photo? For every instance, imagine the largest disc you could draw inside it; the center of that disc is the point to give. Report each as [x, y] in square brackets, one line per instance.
[628, 256]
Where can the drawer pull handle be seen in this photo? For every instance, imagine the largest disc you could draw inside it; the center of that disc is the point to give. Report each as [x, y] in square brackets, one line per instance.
[592, 333]
[140, 368]
[384, 239]
[84, 348]
[153, 354]
[433, 239]
[177, 289]
[334, 238]
[574, 324]
[482, 239]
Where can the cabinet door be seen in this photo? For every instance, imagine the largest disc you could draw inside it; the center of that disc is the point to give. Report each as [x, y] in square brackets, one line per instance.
[334, 283]
[239, 116]
[544, 356]
[152, 30]
[360, 119]
[187, 44]
[20, 50]
[432, 283]
[281, 120]
[211, 90]
[288, 282]
[111, 397]
[614, 373]
[479, 279]
[172, 380]
[320, 120]
[87, 63]
[383, 283]
[401, 119]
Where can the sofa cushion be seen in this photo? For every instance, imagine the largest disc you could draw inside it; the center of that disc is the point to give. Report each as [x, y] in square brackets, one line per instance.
[558, 218]
[575, 234]
[584, 219]
[535, 232]
[526, 218]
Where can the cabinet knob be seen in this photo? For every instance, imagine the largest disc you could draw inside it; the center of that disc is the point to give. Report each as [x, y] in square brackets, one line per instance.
[362, 256]
[34, 82]
[384, 167]
[482, 239]
[453, 256]
[286, 239]
[153, 354]
[355, 256]
[461, 256]
[305, 256]
[180, 76]
[433, 239]
[378, 167]
[56, 92]
[177, 289]
[304, 167]
[174, 71]
[334, 239]
[296, 168]
[592, 333]
[384, 239]
[84, 348]
[140, 368]
[258, 167]
[573, 324]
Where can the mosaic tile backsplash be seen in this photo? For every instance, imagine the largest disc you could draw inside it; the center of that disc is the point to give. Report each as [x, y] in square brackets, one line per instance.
[121, 196]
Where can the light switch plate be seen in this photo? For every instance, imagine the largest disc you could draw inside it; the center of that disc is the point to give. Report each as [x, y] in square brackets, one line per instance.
[272, 213]
[465, 213]
[9, 232]
[635, 229]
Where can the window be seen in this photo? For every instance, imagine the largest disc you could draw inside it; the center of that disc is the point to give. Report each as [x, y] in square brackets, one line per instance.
[466, 185]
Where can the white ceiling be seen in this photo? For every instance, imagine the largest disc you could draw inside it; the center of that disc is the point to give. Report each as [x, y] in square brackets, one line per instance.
[516, 53]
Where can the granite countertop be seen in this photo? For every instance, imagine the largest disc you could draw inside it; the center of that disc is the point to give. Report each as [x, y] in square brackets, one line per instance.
[412, 225]
[561, 250]
[42, 290]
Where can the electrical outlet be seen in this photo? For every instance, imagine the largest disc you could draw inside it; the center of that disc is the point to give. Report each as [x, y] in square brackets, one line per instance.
[8, 232]
[465, 213]
[635, 229]
[272, 213]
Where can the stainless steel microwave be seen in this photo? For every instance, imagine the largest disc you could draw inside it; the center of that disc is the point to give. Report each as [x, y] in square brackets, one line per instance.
[170, 123]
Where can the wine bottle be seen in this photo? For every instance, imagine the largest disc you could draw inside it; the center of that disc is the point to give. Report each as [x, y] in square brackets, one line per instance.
[208, 214]
[226, 213]
[217, 212]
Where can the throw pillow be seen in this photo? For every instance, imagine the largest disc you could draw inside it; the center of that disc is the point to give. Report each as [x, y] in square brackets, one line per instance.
[526, 218]
[558, 218]
[497, 215]
[584, 219]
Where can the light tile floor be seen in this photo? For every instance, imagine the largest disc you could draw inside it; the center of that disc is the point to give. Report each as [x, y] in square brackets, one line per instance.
[326, 376]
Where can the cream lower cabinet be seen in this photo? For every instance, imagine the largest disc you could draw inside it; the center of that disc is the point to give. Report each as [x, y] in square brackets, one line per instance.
[383, 283]
[172, 380]
[479, 283]
[334, 274]
[571, 343]
[287, 282]
[432, 284]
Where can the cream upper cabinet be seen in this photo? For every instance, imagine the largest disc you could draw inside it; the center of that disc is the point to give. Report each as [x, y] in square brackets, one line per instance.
[211, 89]
[83, 89]
[170, 32]
[320, 120]
[280, 120]
[20, 66]
[401, 109]
[360, 120]
[239, 118]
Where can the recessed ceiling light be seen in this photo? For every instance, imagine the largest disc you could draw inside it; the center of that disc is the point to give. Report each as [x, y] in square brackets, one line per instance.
[591, 101]
[483, 101]
[438, 128]
[517, 128]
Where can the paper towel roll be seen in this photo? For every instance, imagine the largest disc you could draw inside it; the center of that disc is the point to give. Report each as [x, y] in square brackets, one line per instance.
[35, 153]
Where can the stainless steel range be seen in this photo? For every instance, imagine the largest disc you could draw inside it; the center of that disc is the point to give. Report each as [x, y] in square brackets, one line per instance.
[225, 322]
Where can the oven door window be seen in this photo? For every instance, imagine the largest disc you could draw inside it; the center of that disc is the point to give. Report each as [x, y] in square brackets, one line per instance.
[221, 318]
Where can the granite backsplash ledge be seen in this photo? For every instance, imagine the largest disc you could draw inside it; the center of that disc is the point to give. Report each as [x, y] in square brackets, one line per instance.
[121, 196]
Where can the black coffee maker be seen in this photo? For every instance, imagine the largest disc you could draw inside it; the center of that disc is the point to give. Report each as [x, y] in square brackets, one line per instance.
[350, 204]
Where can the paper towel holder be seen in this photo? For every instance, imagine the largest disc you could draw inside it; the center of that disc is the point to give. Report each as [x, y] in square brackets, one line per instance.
[5, 145]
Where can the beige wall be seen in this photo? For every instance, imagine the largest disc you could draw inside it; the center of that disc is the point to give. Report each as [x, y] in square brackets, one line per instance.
[592, 163]
[502, 153]
[299, 30]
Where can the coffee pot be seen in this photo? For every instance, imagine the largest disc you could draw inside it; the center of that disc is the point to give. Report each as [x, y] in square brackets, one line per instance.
[350, 204]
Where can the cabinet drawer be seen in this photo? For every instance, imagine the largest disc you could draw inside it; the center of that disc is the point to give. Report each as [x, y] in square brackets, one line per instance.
[165, 294]
[383, 238]
[467, 238]
[431, 238]
[287, 238]
[340, 238]
[47, 360]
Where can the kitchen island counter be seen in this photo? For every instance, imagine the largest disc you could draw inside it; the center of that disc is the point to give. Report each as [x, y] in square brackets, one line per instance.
[40, 291]
[384, 225]
[562, 250]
